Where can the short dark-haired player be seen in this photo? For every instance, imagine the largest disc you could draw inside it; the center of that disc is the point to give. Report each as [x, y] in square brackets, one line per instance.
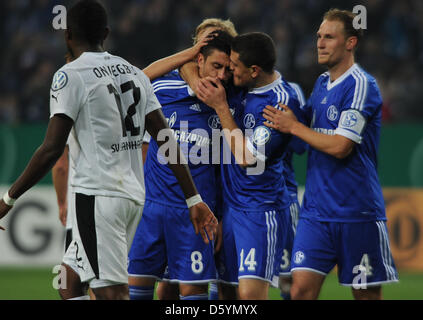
[255, 203]
[163, 237]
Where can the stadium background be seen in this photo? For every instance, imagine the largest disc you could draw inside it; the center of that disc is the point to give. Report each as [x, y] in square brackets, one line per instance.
[146, 30]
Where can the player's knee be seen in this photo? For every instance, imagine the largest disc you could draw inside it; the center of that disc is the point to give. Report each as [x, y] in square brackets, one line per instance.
[65, 294]
[119, 292]
[191, 290]
[247, 294]
[227, 292]
[253, 289]
[285, 284]
[302, 292]
[250, 293]
[112, 296]
[78, 290]
[371, 293]
[74, 287]
[162, 291]
[167, 291]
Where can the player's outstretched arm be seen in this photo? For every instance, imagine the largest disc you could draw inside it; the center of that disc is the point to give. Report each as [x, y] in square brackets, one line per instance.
[201, 216]
[165, 65]
[285, 121]
[60, 172]
[41, 162]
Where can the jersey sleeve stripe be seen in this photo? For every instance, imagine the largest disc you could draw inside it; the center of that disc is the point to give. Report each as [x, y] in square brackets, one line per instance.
[283, 96]
[156, 85]
[170, 88]
[168, 81]
[279, 97]
[360, 93]
[356, 91]
[299, 93]
[366, 86]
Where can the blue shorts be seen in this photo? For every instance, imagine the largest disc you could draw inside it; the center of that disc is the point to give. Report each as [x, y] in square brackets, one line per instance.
[361, 251]
[252, 245]
[166, 236]
[291, 221]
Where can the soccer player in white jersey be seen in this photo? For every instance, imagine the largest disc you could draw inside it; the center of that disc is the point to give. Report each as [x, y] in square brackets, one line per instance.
[62, 173]
[342, 220]
[109, 103]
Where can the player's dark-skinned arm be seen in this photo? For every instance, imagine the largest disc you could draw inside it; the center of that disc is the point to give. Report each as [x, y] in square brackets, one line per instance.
[201, 216]
[59, 173]
[167, 64]
[144, 149]
[285, 121]
[43, 159]
[212, 93]
[219, 237]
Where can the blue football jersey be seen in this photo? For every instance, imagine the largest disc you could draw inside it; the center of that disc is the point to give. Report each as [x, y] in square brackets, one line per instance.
[191, 122]
[266, 190]
[296, 145]
[236, 99]
[345, 190]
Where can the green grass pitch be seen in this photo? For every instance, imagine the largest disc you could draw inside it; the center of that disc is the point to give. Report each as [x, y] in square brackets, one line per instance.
[37, 284]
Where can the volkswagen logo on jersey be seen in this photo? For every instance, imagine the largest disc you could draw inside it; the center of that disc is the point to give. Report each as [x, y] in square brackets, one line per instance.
[214, 122]
[349, 119]
[261, 135]
[172, 120]
[299, 257]
[60, 80]
[249, 121]
[332, 113]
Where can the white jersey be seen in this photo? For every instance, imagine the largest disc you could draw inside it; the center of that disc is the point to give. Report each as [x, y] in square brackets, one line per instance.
[108, 99]
[74, 150]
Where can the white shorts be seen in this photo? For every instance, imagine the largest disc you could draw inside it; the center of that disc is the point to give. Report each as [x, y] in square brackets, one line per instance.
[102, 232]
[69, 219]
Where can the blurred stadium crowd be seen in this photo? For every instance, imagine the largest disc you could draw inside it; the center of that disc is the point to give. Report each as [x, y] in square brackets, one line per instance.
[146, 30]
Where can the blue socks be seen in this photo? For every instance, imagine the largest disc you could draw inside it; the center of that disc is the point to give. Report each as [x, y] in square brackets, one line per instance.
[213, 292]
[286, 296]
[141, 293]
[202, 296]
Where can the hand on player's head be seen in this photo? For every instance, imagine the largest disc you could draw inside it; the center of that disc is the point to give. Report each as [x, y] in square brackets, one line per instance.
[203, 41]
[208, 33]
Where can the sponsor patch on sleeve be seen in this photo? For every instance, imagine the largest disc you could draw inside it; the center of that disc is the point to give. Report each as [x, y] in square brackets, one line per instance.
[60, 80]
